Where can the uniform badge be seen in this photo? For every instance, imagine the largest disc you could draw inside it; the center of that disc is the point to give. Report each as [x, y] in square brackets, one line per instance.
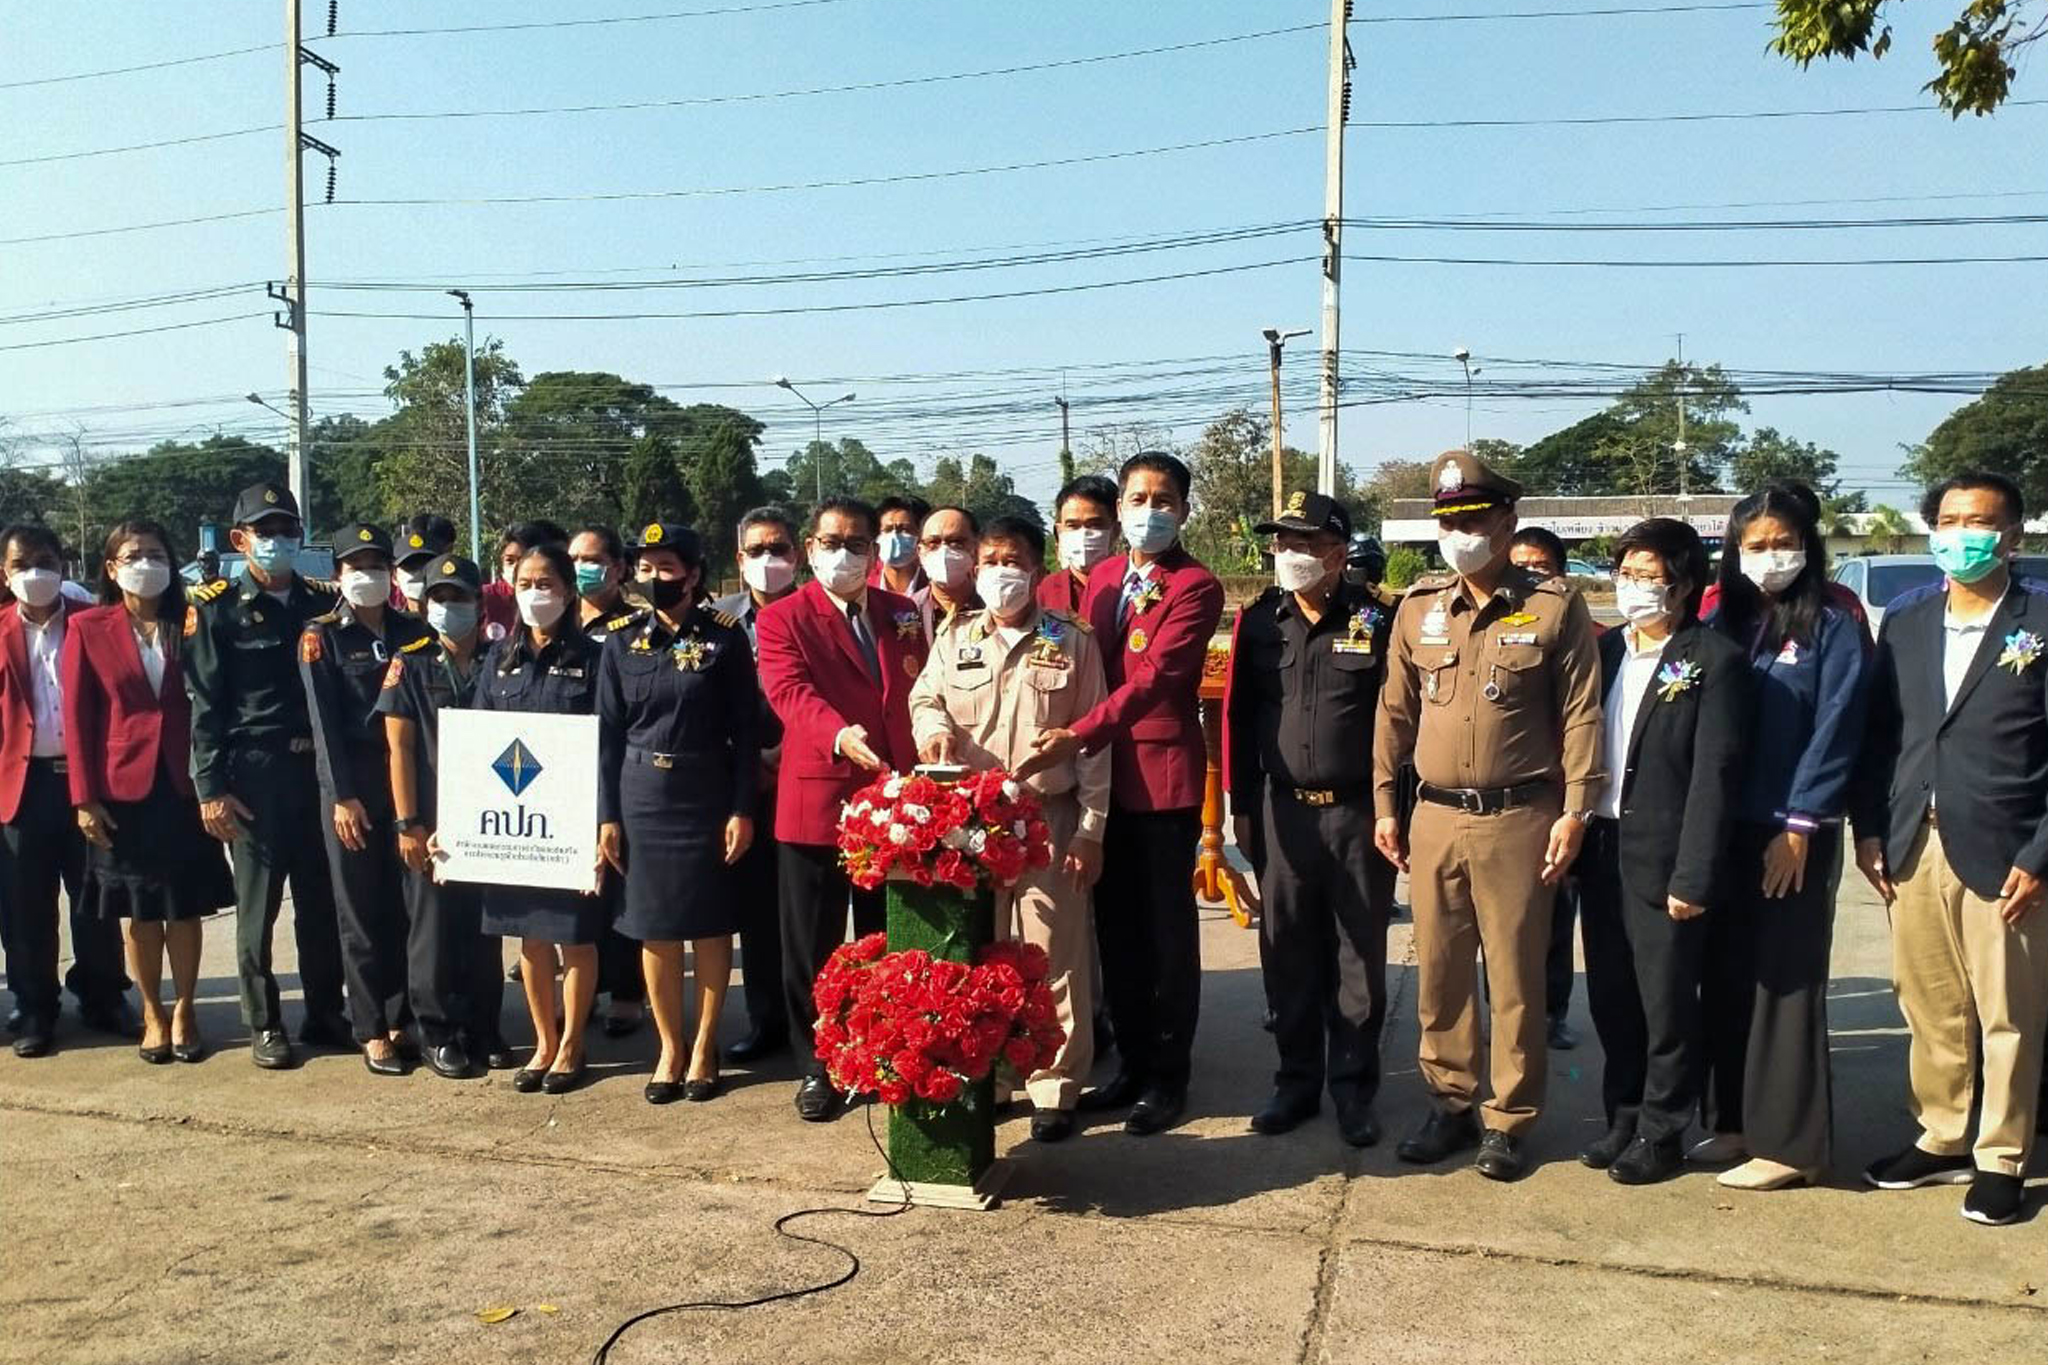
[1520, 618]
[640, 645]
[270, 496]
[970, 654]
[1139, 639]
[257, 617]
[692, 654]
[1298, 504]
[191, 622]
[309, 647]
[1448, 479]
[394, 674]
[1358, 634]
[909, 666]
[909, 625]
[366, 535]
[1513, 637]
[1789, 655]
[652, 535]
[415, 542]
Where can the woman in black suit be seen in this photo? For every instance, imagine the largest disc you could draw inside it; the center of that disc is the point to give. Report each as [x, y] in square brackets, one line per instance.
[1677, 705]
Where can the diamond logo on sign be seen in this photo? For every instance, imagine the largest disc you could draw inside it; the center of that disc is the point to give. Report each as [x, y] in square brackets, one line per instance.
[517, 766]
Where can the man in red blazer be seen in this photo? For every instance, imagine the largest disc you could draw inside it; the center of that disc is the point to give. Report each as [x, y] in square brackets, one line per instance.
[837, 660]
[1154, 610]
[1084, 520]
[40, 846]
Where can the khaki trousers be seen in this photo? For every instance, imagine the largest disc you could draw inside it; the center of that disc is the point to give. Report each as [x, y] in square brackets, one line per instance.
[1476, 884]
[1046, 908]
[1967, 980]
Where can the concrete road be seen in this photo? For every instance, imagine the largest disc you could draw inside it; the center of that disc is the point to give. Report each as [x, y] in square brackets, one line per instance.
[216, 1213]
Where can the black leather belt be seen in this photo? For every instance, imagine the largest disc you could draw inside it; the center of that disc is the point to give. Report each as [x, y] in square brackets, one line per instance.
[657, 760]
[301, 745]
[1485, 800]
[56, 763]
[1321, 797]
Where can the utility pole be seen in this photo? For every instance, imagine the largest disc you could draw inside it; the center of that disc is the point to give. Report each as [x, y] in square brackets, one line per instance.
[1333, 243]
[1684, 472]
[1276, 341]
[1066, 444]
[476, 533]
[292, 295]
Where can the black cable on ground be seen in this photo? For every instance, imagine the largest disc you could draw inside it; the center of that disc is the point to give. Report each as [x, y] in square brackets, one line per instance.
[602, 1355]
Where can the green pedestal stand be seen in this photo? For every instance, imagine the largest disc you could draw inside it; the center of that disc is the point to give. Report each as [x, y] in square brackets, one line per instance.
[944, 1155]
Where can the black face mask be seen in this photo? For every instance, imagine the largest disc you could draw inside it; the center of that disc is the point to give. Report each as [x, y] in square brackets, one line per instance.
[666, 593]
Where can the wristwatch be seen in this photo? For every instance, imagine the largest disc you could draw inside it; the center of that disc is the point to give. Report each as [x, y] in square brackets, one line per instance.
[1584, 817]
[407, 823]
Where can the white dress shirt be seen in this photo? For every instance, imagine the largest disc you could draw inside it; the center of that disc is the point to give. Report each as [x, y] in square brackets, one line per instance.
[1632, 684]
[45, 685]
[152, 650]
[1960, 642]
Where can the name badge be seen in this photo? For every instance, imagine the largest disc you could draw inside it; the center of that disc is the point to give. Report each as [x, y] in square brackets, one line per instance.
[970, 655]
[565, 672]
[967, 665]
[1351, 647]
[1518, 637]
[1429, 639]
[1789, 655]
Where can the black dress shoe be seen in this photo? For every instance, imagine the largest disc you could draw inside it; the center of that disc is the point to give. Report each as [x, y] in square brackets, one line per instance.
[116, 1017]
[271, 1049]
[663, 1092]
[1647, 1161]
[1501, 1157]
[1441, 1135]
[621, 1025]
[391, 1064]
[327, 1030]
[1120, 1093]
[194, 1051]
[816, 1100]
[160, 1055]
[1052, 1125]
[1563, 1037]
[757, 1045]
[496, 1052]
[407, 1047]
[1357, 1124]
[450, 1060]
[562, 1082]
[14, 1021]
[1285, 1112]
[701, 1091]
[527, 1081]
[1156, 1111]
[1605, 1150]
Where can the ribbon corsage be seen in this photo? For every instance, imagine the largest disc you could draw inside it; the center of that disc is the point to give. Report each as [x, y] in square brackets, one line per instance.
[908, 625]
[1680, 675]
[2022, 649]
[1145, 596]
[692, 654]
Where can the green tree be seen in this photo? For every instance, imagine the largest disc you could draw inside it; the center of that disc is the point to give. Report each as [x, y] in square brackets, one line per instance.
[1632, 446]
[178, 483]
[2006, 429]
[822, 469]
[1768, 456]
[1888, 527]
[1972, 56]
[982, 488]
[1232, 465]
[424, 462]
[726, 484]
[341, 460]
[1392, 479]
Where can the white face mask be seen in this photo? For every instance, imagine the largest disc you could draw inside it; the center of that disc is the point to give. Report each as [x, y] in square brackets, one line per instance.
[1083, 547]
[366, 587]
[1641, 603]
[768, 573]
[145, 578]
[413, 585]
[841, 571]
[945, 566]
[1467, 552]
[1005, 588]
[539, 607]
[1773, 570]
[1149, 530]
[1298, 570]
[37, 587]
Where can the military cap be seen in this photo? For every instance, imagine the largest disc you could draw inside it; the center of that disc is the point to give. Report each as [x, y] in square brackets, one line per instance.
[671, 535]
[1309, 512]
[1462, 482]
[1365, 552]
[413, 546]
[358, 537]
[455, 571]
[265, 499]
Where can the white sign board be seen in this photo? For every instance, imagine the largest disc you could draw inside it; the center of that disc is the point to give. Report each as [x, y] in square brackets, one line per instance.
[518, 799]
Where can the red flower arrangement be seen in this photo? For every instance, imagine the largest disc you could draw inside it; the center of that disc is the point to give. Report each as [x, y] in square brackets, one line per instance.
[944, 833]
[908, 1026]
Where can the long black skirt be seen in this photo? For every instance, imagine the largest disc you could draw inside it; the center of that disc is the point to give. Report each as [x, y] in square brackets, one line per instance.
[163, 866]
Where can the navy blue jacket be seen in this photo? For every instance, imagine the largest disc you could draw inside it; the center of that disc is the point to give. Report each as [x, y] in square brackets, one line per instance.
[1982, 760]
[1809, 724]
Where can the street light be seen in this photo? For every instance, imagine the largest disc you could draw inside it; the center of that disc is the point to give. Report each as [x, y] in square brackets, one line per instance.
[1276, 341]
[476, 534]
[1464, 358]
[257, 399]
[817, 426]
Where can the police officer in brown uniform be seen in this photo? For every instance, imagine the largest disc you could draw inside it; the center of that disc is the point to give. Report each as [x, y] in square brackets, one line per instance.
[1493, 692]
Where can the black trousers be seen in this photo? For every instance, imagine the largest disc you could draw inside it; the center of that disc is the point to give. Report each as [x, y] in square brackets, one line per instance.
[40, 852]
[1643, 984]
[1558, 968]
[756, 881]
[455, 972]
[1147, 932]
[1323, 945]
[369, 897]
[814, 897]
[283, 841]
[1763, 1001]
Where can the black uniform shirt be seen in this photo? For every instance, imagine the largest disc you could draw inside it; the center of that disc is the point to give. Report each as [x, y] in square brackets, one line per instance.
[241, 669]
[1302, 696]
[560, 680]
[688, 696]
[419, 684]
[343, 663]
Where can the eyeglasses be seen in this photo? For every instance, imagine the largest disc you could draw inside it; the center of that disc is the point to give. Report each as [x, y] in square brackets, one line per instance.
[853, 545]
[1642, 580]
[945, 542]
[142, 557]
[778, 548]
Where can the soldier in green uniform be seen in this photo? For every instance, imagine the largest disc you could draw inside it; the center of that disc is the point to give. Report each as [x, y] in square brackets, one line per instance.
[343, 656]
[253, 767]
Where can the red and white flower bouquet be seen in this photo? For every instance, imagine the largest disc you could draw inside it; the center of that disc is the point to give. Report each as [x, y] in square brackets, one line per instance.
[984, 828]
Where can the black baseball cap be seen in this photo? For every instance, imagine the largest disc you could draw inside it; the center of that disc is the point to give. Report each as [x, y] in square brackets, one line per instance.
[414, 546]
[454, 571]
[359, 537]
[1308, 513]
[671, 535]
[265, 499]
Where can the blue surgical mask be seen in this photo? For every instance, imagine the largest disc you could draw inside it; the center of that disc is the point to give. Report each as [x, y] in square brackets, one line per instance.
[1150, 530]
[1964, 553]
[898, 548]
[274, 555]
[590, 578]
[452, 619]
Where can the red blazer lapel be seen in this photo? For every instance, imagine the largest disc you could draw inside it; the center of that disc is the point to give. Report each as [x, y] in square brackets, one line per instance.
[833, 623]
[14, 647]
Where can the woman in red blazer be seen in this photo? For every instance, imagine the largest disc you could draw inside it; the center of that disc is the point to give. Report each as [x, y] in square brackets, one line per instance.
[128, 738]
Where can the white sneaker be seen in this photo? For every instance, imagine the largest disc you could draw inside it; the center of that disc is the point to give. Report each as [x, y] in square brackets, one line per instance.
[1719, 1148]
[1760, 1174]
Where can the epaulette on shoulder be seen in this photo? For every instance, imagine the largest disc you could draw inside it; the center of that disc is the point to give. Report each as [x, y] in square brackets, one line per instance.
[1272, 593]
[1435, 582]
[1072, 618]
[324, 585]
[618, 623]
[415, 646]
[725, 618]
[1382, 594]
[207, 592]
[330, 618]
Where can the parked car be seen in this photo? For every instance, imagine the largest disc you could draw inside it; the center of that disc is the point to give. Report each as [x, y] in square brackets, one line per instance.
[1579, 568]
[313, 561]
[1878, 579]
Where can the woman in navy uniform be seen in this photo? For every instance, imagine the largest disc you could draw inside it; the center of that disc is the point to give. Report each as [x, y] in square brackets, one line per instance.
[680, 763]
[547, 664]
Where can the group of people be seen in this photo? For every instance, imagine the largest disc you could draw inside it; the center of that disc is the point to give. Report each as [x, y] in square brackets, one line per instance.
[1683, 780]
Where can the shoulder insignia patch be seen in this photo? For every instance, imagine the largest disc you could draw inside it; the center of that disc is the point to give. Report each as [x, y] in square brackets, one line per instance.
[724, 618]
[206, 592]
[310, 648]
[395, 673]
[414, 646]
[1556, 587]
[621, 622]
[191, 621]
[326, 586]
[1435, 582]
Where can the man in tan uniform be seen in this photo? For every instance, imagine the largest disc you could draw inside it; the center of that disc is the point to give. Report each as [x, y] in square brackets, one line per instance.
[1493, 692]
[998, 677]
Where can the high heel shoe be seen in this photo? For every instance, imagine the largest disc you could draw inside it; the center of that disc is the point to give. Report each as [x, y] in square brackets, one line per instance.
[159, 1055]
[663, 1092]
[562, 1082]
[194, 1051]
[527, 1081]
[1760, 1174]
[697, 1092]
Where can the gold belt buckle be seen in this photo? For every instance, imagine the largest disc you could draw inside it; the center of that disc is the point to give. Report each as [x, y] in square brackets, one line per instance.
[1315, 796]
[662, 760]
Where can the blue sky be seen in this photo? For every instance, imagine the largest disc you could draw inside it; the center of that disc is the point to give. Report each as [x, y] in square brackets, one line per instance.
[911, 366]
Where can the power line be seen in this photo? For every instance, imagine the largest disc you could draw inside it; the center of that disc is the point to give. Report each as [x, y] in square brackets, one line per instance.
[134, 332]
[144, 66]
[658, 17]
[1600, 120]
[222, 136]
[1693, 265]
[138, 227]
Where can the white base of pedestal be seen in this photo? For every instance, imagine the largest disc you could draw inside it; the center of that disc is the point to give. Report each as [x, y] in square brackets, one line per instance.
[982, 1195]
